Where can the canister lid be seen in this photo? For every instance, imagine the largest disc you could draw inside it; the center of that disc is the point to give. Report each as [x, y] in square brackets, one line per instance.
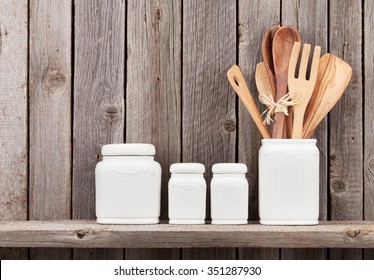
[229, 168]
[128, 150]
[187, 168]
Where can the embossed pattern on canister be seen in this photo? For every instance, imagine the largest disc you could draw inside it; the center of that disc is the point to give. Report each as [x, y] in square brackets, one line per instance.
[187, 193]
[289, 182]
[128, 185]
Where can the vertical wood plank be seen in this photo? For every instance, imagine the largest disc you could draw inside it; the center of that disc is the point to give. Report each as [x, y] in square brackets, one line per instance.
[13, 114]
[369, 117]
[346, 135]
[209, 121]
[98, 101]
[250, 38]
[50, 116]
[153, 95]
[310, 17]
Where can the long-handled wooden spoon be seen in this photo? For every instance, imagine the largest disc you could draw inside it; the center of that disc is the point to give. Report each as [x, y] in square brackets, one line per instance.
[283, 41]
[300, 86]
[332, 90]
[238, 83]
[267, 54]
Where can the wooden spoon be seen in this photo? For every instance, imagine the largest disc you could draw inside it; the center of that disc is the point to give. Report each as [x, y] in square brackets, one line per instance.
[332, 90]
[267, 54]
[238, 83]
[262, 79]
[283, 41]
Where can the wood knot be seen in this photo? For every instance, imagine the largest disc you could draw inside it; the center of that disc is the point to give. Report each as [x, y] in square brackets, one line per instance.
[357, 232]
[371, 165]
[158, 14]
[53, 80]
[82, 233]
[242, 33]
[112, 114]
[339, 187]
[229, 126]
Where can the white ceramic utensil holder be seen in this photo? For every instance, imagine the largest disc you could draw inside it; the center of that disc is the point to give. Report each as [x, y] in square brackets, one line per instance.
[128, 185]
[289, 182]
[187, 193]
[229, 194]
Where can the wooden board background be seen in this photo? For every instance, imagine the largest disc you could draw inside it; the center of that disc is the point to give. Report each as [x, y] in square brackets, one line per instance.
[77, 74]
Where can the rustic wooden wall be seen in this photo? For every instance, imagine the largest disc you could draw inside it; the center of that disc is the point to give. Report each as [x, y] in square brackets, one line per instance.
[77, 74]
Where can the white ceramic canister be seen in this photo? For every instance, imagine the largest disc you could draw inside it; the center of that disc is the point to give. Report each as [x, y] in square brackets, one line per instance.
[229, 194]
[187, 193]
[289, 182]
[128, 185]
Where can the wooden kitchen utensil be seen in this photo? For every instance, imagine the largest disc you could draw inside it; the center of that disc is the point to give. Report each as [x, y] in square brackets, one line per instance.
[300, 87]
[323, 76]
[238, 83]
[262, 79]
[331, 90]
[283, 41]
[267, 54]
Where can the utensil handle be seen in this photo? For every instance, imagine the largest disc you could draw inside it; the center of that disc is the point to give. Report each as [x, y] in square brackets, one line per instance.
[238, 83]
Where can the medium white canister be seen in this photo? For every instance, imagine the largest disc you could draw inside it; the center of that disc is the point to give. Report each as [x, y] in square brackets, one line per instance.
[289, 182]
[187, 193]
[229, 194]
[128, 185]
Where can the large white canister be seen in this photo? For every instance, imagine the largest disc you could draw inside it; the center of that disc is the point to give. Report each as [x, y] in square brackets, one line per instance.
[289, 182]
[128, 185]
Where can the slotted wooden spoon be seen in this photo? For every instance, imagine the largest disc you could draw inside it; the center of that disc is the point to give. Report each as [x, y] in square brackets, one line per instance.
[331, 90]
[302, 87]
[238, 83]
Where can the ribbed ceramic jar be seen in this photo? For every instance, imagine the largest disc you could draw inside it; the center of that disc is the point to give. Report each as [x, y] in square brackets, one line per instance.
[289, 182]
[128, 185]
[187, 193]
[229, 194]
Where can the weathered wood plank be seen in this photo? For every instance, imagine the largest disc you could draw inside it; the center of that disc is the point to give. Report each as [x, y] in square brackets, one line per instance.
[98, 100]
[153, 95]
[89, 234]
[346, 135]
[310, 17]
[13, 114]
[369, 117]
[250, 38]
[50, 99]
[209, 121]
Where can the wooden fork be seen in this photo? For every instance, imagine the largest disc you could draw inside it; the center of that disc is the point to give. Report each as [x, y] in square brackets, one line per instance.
[300, 86]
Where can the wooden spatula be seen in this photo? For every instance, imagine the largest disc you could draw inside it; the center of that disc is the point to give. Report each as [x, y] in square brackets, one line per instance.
[238, 83]
[262, 80]
[300, 86]
[331, 89]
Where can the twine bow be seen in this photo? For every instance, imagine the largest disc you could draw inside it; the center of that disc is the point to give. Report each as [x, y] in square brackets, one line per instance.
[277, 107]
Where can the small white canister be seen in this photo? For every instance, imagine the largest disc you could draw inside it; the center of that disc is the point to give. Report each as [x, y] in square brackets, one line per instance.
[187, 193]
[289, 182]
[128, 185]
[229, 194]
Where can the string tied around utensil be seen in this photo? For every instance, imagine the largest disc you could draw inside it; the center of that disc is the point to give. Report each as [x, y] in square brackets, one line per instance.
[278, 107]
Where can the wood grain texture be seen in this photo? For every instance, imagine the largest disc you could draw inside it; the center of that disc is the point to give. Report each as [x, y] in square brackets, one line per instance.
[89, 234]
[98, 100]
[153, 94]
[208, 117]
[13, 116]
[50, 115]
[368, 117]
[346, 135]
[310, 17]
[250, 36]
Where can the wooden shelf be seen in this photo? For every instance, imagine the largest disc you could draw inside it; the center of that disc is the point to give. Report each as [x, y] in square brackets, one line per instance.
[89, 234]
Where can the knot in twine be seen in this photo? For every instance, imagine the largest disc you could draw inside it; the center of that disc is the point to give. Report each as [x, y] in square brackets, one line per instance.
[277, 107]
